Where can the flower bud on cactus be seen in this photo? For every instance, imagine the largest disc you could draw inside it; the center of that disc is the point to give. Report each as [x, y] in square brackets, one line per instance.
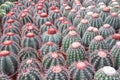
[106, 30]
[82, 26]
[76, 49]
[52, 35]
[101, 58]
[77, 20]
[106, 73]
[57, 73]
[29, 74]
[115, 52]
[27, 53]
[83, 69]
[98, 43]
[4, 77]
[66, 11]
[71, 37]
[113, 20]
[31, 40]
[82, 11]
[89, 34]
[96, 21]
[9, 59]
[52, 59]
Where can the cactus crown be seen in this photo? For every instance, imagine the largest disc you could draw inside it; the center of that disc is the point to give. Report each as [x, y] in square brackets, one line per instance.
[4, 53]
[54, 54]
[118, 43]
[81, 65]
[72, 33]
[84, 21]
[95, 15]
[57, 69]
[102, 54]
[98, 38]
[10, 21]
[43, 15]
[30, 34]
[8, 42]
[10, 34]
[48, 23]
[114, 14]
[116, 36]
[106, 26]
[52, 31]
[76, 45]
[92, 29]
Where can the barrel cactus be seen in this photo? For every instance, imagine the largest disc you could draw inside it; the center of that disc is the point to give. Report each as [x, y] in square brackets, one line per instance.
[83, 69]
[106, 73]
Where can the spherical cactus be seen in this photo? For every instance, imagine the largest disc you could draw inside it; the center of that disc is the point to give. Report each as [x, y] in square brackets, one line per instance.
[29, 74]
[66, 11]
[4, 77]
[76, 49]
[89, 34]
[46, 26]
[101, 58]
[11, 46]
[98, 43]
[71, 37]
[106, 73]
[31, 40]
[106, 30]
[77, 20]
[115, 52]
[57, 73]
[113, 20]
[111, 40]
[83, 69]
[31, 62]
[105, 13]
[9, 59]
[52, 59]
[82, 11]
[52, 35]
[27, 53]
[82, 26]
[96, 21]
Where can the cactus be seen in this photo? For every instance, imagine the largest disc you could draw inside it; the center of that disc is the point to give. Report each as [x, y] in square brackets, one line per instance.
[71, 37]
[83, 69]
[29, 74]
[115, 52]
[30, 62]
[75, 53]
[101, 58]
[96, 20]
[57, 73]
[52, 35]
[19, 7]
[5, 7]
[31, 40]
[92, 8]
[11, 46]
[82, 26]
[27, 53]
[62, 8]
[9, 59]
[88, 15]
[98, 43]
[106, 30]
[52, 59]
[4, 77]
[87, 3]
[66, 11]
[113, 20]
[90, 33]
[82, 12]
[106, 73]
[77, 20]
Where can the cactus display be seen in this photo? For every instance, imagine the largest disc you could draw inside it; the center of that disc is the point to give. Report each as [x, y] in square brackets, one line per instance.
[106, 73]
[75, 53]
[57, 73]
[53, 59]
[83, 69]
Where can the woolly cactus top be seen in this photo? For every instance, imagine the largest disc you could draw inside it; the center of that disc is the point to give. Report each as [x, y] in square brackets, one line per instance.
[95, 15]
[74, 10]
[4, 53]
[83, 8]
[78, 16]
[84, 21]
[109, 70]
[56, 11]
[10, 34]
[30, 34]
[72, 33]
[116, 36]
[81, 65]
[43, 15]
[54, 55]
[10, 21]
[114, 14]
[67, 8]
[53, 7]
[52, 31]
[106, 9]
[10, 14]
[89, 13]
[57, 69]
[106, 26]
[48, 23]
[29, 61]
[75, 45]
[98, 38]
[39, 7]
[118, 43]
[92, 29]
[10, 27]
[66, 22]
[102, 54]
[8, 42]
[23, 14]
[71, 28]
[30, 27]
[61, 18]
[49, 43]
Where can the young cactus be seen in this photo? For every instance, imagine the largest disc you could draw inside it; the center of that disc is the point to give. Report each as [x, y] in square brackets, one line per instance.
[106, 73]
[83, 69]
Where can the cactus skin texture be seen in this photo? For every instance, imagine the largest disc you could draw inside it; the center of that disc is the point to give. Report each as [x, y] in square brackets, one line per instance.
[4, 77]
[29, 74]
[106, 73]
[26, 53]
[77, 20]
[83, 69]
[57, 73]
[9, 59]
[82, 12]
[52, 59]
[98, 43]
[75, 53]
[101, 58]
[89, 34]
[115, 51]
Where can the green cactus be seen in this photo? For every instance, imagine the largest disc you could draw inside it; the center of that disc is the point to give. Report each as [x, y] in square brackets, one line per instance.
[82, 12]
[77, 20]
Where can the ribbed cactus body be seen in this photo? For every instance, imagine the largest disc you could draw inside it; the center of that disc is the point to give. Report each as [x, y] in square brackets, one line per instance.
[101, 58]
[5, 7]
[106, 73]
[82, 12]
[75, 53]
[19, 7]
[83, 69]
[57, 73]
[106, 30]
[66, 11]
[77, 20]
[9, 63]
[4, 77]
[52, 59]
[115, 52]
[27, 53]
[89, 34]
